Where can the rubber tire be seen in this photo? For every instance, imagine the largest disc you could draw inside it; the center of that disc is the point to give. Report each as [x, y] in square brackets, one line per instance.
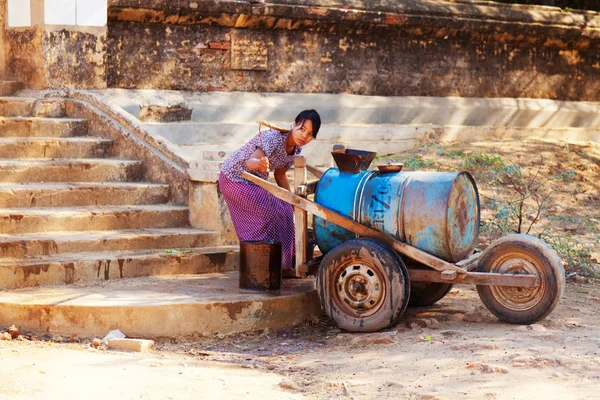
[424, 294]
[545, 260]
[387, 263]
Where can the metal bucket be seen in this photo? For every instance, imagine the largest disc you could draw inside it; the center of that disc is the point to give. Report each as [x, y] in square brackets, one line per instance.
[260, 265]
[437, 212]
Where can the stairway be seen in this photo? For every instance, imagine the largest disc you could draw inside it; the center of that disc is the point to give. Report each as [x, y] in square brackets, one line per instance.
[72, 212]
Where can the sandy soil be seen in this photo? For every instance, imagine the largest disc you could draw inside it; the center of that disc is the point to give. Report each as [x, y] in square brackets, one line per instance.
[452, 350]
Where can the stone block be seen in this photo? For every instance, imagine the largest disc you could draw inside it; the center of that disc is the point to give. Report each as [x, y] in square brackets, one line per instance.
[138, 345]
[165, 113]
[208, 210]
[49, 108]
[249, 51]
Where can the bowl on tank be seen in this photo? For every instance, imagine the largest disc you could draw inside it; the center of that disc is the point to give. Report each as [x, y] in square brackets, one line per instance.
[353, 161]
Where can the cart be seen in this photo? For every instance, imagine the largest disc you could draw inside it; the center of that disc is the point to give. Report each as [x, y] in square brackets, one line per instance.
[365, 284]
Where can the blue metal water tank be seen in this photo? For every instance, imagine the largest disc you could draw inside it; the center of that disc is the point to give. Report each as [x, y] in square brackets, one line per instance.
[437, 212]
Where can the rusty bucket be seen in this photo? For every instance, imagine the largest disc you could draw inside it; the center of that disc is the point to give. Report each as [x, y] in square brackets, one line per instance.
[260, 265]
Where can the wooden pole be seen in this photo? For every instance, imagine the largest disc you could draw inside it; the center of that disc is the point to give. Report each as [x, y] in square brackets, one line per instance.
[300, 215]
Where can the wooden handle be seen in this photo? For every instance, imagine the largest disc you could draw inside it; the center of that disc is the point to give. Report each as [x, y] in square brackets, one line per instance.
[268, 125]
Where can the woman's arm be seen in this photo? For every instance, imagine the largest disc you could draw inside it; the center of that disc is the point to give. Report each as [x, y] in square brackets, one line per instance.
[258, 161]
[281, 179]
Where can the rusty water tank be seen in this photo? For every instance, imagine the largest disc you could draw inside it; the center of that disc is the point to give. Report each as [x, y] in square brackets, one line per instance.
[437, 212]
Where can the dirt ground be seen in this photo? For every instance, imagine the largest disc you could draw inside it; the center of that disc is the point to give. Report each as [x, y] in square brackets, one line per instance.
[453, 350]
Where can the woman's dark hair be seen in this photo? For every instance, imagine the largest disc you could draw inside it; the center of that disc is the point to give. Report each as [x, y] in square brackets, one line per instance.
[311, 115]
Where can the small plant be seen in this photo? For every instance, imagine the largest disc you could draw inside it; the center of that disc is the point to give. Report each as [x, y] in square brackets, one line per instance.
[417, 162]
[574, 254]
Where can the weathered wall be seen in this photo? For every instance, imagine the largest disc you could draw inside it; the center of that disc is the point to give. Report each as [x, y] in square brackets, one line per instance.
[3, 16]
[75, 59]
[380, 48]
[24, 51]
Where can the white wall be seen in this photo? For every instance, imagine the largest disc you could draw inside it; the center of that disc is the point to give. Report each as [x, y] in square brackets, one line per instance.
[19, 13]
[60, 12]
[91, 12]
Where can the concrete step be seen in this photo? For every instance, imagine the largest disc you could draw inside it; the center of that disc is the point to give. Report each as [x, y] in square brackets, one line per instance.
[317, 153]
[385, 139]
[367, 110]
[206, 165]
[214, 153]
[81, 194]
[54, 147]
[165, 306]
[66, 269]
[31, 107]
[16, 107]
[52, 219]
[51, 243]
[42, 127]
[8, 88]
[69, 170]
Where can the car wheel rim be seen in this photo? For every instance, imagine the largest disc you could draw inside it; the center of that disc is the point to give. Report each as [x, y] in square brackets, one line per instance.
[518, 298]
[360, 288]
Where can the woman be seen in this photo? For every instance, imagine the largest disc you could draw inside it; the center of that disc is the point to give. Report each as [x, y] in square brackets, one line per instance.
[256, 214]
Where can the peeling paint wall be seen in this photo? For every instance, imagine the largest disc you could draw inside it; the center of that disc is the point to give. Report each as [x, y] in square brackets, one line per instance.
[75, 59]
[25, 56]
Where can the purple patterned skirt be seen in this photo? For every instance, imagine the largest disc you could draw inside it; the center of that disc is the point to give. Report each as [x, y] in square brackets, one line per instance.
[255, 218]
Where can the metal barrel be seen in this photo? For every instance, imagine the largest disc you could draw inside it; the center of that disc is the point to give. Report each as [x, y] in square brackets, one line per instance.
[437, 212]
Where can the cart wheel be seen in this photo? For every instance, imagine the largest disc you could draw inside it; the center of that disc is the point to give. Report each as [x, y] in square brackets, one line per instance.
[423, 294]
[522, 254]
[363, 285]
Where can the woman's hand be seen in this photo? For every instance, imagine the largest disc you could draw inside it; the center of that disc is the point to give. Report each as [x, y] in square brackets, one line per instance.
[261, 164]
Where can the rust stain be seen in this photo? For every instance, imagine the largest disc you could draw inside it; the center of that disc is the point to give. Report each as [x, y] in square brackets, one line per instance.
[317, 10]
[395, 19]
[29, 270]
[107, 270]
[216, 258]
[121, 261]
[14, 248]
[49, 247]
[234, 310]
[69, 273]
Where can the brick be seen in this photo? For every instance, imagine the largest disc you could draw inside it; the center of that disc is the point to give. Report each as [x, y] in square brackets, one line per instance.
[138, 345]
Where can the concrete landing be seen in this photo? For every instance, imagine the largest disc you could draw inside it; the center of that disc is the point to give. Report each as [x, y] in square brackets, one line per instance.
[165, 306]
[382, 124]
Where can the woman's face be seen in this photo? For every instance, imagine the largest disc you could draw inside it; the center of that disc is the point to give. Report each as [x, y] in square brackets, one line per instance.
[302, 133]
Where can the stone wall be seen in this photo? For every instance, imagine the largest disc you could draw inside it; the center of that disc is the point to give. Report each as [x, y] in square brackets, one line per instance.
[380, 47]
[383, 47]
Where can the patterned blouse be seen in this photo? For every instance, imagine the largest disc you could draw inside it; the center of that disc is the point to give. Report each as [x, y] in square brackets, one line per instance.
[273, 144]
